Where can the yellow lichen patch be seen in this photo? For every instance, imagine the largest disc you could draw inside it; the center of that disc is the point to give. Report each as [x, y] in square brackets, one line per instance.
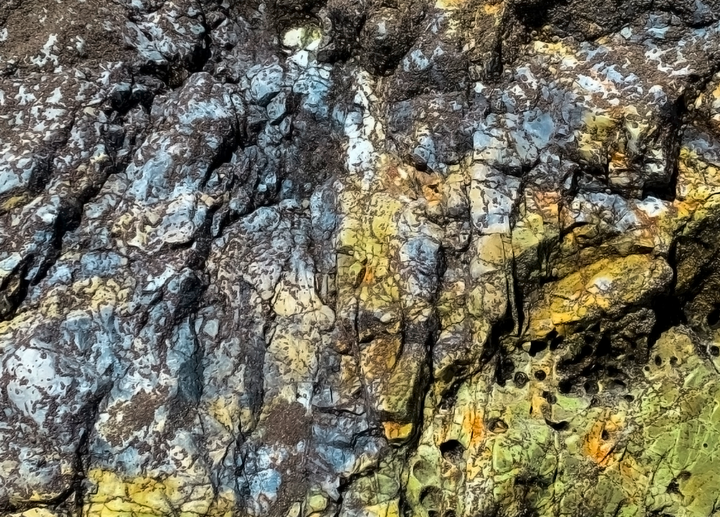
[316, 502]
[367, 240]
[397, 432]
[598, 128]
[303, 37]
[525, 237]
[716, 92]
[108, 292]
[115, 496]
[223, 409]
[697, 181]
[493, 253]
[295, 358]
[387, 509]
[381, 216]
[14, 202]
[600, 124]
[557, 51]
[450, 5]
[633, 475]
[603, 287]
[380, 356]
[451, 305]
[37, 512]
[96, 292]
[296, 295]
[464, 424]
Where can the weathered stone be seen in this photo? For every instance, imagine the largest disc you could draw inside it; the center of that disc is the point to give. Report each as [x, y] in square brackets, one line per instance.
[359, 258]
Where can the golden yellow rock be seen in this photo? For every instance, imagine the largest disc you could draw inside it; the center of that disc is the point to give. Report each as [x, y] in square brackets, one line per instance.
[397, 432]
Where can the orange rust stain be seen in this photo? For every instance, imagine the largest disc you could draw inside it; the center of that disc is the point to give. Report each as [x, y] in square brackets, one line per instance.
[600, 442]
[473, 425]
[537, 403]
[432, 194]
[369, 276]
[492, 9]
[548, 202]
[618, 157]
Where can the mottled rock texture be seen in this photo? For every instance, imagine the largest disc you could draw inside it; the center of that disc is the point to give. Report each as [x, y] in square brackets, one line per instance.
[360, 258]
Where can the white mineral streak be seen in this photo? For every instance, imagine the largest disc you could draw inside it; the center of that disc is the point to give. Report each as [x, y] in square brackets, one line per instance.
[360, 128]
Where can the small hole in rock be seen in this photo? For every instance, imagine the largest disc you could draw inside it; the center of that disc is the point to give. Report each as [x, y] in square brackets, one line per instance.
[540, 375]
[714, 351]
[536, 347]
[705, 445]
[504, 371]
[629, 398]
[565, 386]
[448, 400]
[618, 384]
[555, 340]
[520, 379]
[673, 361]
[591, 387]
[604, 347]
[550, 397]
[422, 471]
[558, 426]
[498, 426]
[585, 351]
[713, 319]
[452, 450]
[430, 498]
[658, 360]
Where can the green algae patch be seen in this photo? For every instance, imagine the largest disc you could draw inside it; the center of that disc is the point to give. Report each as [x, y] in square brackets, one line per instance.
[654, 453]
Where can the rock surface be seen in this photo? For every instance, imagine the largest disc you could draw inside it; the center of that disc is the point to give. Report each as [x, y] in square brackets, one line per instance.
[359, 258]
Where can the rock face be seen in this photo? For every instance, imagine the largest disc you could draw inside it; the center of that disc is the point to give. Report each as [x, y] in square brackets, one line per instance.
[359, 258]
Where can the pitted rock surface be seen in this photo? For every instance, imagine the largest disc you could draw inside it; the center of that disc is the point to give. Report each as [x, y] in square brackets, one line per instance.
[368, 258]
